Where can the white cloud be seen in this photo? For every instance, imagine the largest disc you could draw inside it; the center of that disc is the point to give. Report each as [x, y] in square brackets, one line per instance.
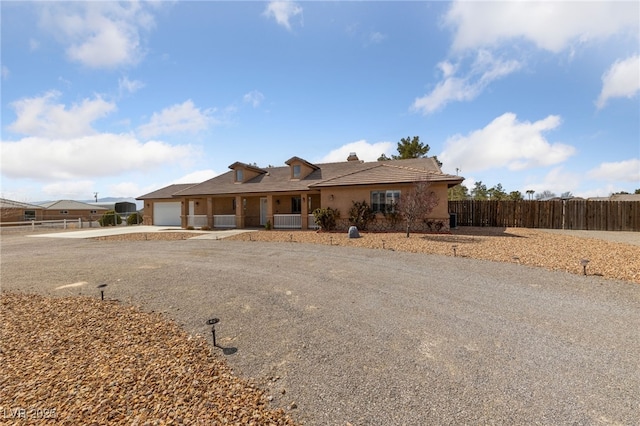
[377, 37]
[506, 142]
[552, 26]
[557, 180]
[483, 71]
[99, 34]
[34, 44]
[283, 12]
[254, 98]
[5, 72]
[621, 80]
[86, 157]
[625, 171]
[125, 189]
[196, 177]
[365, 151]
[184, 117]
[75, 189]
[41, 116]
[129, 86]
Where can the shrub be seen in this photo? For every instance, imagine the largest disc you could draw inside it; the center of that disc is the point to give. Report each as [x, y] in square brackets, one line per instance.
[205, 228]
[325, 218]
[134, 219]
[190, 228]
[361, 215]
[267, 225]
[110, 218]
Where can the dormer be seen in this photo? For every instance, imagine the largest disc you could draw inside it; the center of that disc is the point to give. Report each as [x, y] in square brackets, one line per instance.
[300, 168]
[245, 172]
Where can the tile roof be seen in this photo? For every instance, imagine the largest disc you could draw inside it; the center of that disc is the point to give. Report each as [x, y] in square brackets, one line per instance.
[11, 204]
[70, 205]
[166, 192]
[345, 173]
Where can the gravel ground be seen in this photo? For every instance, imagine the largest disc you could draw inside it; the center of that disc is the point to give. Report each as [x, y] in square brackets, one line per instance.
[349, 335]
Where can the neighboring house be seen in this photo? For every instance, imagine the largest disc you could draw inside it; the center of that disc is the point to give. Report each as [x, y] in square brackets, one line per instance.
[73, 210]
[16, 211]
[285, 197]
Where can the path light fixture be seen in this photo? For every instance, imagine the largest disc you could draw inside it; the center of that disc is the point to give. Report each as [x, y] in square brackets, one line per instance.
[454, 247]
[101, 287]
[382, 244]
[330, 240]
[212, 322]
[584, 263]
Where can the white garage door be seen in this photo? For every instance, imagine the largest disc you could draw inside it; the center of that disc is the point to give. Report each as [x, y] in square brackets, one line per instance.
[166, 214]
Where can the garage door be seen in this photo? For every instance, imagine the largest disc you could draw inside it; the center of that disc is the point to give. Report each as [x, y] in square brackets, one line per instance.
[166, 214]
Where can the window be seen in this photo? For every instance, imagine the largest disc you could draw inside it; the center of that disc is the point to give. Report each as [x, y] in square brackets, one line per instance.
[239, 175]
[93, 211]
[296, 171]
[296, 205]
[384, 201]
[29, 214]
[64, 211]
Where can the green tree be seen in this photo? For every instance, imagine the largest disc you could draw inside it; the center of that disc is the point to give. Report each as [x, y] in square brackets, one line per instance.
[411, 148]
[458, 192]
[479, 191]
[497, 193]
[515, 196]
[383, 157]
[637, 191]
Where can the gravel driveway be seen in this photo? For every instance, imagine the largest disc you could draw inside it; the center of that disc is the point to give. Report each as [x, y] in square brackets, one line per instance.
[374, 337]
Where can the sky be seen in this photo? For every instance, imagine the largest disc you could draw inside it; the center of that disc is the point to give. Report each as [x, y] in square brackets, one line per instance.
[122, 99]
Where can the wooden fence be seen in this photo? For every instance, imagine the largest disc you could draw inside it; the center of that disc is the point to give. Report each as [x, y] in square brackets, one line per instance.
[555, 214]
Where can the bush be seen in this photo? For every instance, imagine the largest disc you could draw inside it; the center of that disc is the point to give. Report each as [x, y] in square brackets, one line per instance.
[110, 218]
[134, 219]
[267, 226]
[325, 218]
[205, 228]
[361, 215]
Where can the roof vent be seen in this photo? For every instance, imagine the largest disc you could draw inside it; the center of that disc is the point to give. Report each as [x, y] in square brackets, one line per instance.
[352, 157]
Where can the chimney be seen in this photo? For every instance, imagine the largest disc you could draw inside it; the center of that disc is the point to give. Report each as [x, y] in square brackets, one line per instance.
[352, 157]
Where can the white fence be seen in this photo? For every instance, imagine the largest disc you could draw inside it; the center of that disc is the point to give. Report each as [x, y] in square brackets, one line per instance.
[224, 221]
[197, 221]
[286, 221]
[62, 223]
[311, 222]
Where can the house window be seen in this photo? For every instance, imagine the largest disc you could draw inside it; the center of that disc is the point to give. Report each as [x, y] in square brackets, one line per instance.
[239, 175]
[296, 171]
[29, 214]
[233, 204]
[64, 211]
[296, 205]
[384, 201]
[93, 211]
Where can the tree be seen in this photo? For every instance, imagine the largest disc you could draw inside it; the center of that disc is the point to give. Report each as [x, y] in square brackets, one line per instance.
[383, 157]
[411, 148]
[567, 194]
[545, 195]
[417, 203]
[479, 191]
[515, 196]
[637, 191]
[497, 193]
[530, 193]
[458, 192]
[360, 214]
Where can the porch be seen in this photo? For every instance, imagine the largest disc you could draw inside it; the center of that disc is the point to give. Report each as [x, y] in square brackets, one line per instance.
[228, 221]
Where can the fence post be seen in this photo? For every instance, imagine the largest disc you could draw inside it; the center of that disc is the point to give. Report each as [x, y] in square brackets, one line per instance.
[80, 222]
[33, 225]
[64, 223]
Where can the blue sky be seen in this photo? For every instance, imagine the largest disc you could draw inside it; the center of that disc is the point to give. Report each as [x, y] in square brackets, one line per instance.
[125, 98]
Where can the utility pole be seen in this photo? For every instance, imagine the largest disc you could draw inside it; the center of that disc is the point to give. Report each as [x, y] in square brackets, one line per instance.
[95, 194]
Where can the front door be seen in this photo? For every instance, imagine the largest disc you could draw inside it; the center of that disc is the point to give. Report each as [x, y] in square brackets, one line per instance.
[263, 211]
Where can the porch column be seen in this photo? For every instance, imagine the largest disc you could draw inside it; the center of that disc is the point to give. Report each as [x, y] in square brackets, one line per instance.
[184, 213]
[304, 211]
[240, 211]
[210, 212]
[270, 209]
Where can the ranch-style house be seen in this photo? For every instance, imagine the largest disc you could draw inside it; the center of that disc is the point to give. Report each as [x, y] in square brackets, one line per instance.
[285, 197]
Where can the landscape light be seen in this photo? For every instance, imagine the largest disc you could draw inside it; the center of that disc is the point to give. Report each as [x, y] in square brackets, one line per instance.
[584, 263]
[212, 322]
[454, 247]
[101, 287]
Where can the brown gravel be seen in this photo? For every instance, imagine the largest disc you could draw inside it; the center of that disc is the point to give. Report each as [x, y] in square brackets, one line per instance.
[84, 361]
[531, 247]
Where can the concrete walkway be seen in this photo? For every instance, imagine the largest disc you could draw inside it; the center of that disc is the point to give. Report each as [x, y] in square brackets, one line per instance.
[119, 230]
